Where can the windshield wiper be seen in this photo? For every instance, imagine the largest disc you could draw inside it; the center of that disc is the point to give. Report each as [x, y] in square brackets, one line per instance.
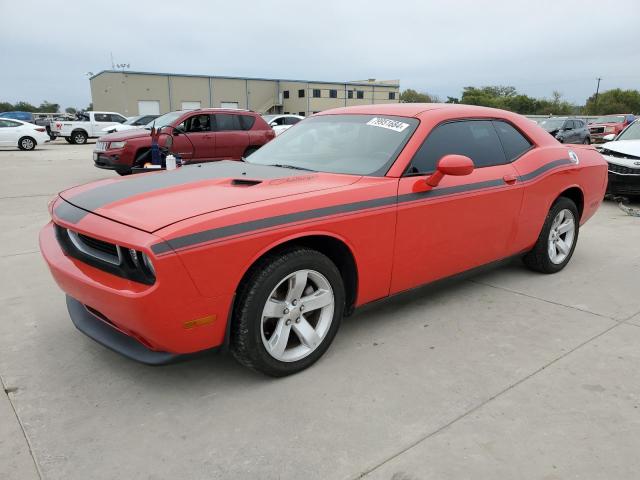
[294, 167]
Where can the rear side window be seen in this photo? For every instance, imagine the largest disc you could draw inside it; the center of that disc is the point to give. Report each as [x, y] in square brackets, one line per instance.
[9, 123]
[513, 142]
[226, 122]
[476, 139]
[246, 122]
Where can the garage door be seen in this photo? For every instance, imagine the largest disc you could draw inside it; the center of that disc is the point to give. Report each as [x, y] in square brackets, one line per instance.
[190, 105]
[228, 104]
[148, 107]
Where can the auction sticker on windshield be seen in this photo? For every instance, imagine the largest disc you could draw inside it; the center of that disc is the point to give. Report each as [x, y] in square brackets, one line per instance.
[387, 123]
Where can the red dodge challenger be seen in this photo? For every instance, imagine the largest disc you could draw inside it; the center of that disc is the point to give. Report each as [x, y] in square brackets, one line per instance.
[349, 206]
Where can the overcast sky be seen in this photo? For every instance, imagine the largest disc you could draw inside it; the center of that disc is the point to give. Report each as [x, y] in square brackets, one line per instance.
[434, 46]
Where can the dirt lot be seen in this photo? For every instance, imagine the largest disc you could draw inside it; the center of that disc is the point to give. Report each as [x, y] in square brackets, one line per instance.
[504, 374]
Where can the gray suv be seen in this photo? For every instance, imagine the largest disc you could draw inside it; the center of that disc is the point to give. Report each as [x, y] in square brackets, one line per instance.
[567, 130]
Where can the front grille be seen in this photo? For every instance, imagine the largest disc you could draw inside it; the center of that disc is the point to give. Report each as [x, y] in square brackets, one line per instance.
[621, 170]
[101, 146]
[596, 129]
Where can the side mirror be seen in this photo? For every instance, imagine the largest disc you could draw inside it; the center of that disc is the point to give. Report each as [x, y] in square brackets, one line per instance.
[273, 124]
[454, 165]
[609, 137]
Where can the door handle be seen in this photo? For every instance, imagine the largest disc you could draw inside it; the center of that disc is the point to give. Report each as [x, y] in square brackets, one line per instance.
[510, 179]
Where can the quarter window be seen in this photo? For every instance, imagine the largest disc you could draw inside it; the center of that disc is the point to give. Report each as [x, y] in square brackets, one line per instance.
[513, 142]
[476, 139]
[246, 121]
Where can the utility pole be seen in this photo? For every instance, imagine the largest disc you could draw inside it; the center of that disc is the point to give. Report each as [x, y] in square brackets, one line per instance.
[595, 102]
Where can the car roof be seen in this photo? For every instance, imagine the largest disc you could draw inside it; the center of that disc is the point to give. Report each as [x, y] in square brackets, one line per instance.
[419, 110]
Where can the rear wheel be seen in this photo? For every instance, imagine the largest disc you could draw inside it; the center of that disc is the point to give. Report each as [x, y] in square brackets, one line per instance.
[26, 143]
[79, 137]
[287, 312]
[557, 240]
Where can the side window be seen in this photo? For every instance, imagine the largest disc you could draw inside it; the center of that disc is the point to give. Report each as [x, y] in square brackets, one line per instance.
[291, 120]
[476, 139]
[226, 122]
[9, 123]
[246, 121]
[513, 142]
[197, 123]
[117, 118]
[102, 117]
[568, 125]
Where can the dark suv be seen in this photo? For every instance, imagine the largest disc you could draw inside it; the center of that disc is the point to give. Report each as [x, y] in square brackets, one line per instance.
[198, 136]
[567, 130]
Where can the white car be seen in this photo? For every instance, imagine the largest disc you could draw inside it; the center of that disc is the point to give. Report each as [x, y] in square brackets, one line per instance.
[280, 123]
[623, 159]
[25, 136]
[132, 123]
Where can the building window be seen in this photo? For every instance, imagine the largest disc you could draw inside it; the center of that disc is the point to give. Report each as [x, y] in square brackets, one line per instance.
[286, 113]
[301, 93]
[333, 93]
[285, 94]
[350, 94]
[315, 112]
[392, 95]
[316, 93]
[360, 94]
[301, 114]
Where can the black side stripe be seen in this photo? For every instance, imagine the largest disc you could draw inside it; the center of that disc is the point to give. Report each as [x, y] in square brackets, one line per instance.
[263, 223]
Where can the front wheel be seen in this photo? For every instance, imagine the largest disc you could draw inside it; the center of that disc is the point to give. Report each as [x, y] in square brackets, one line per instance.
[287, 312]
[79, 138]
[557, 240]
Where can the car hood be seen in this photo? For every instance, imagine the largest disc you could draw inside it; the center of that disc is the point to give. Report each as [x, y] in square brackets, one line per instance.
[151, 201]
[125, 135]
[625, 147]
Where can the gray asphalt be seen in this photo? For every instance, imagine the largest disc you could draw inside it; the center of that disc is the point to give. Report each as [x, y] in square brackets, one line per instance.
[499, 375]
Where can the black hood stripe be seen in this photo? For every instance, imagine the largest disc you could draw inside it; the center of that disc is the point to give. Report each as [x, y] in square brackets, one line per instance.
[206, 236]
[140, 184]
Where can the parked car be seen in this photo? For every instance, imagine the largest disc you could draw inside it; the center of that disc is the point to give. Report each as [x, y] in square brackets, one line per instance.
[87, 125]
[280, 123]
[351, 206]
[132, 123]
[24, 135]
[198, 136]
[567, 130]
[609, 124]
[623, 159]
[22, 116]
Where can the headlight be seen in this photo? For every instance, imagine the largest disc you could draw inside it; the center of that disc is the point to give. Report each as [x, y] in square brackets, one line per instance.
[117, 144]
[142, 264]
[609, 129]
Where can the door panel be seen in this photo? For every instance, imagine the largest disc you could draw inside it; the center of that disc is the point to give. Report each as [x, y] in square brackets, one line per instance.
[462, 223]
[198, 141]
[231, 140]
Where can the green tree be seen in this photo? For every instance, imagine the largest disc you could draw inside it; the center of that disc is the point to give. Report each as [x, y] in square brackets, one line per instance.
[412, 96]
[452, 100]
[25, 107]
[48, 107]
[614, 101]
[70, 110]
[90, 107]
[6, 107]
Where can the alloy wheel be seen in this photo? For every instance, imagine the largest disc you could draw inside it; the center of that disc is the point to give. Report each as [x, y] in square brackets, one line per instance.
[561, 236]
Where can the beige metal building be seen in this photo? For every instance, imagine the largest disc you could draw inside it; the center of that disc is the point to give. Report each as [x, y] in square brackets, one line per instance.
[138, 93]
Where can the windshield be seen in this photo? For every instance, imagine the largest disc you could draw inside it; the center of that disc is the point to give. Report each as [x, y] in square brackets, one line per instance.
[269, 118]
[131, 121]
[352, 144]
[632, 132]
[551, 124]
[164, 120]
[609, 119]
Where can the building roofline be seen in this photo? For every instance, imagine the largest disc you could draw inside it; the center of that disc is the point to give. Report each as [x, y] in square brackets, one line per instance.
[225, 77]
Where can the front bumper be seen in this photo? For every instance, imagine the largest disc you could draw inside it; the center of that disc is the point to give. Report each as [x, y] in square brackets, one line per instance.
[167, 318]
[623, 184]
[108, 161]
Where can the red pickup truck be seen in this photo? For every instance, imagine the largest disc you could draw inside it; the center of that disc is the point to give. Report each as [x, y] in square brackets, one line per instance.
[198, 136]
[609, 124]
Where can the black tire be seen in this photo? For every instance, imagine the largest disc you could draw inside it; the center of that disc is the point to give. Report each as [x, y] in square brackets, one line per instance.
[79, 137]
[123, 172]
[249, 151]
[27, 143]
[52, 137]
[538, 258]
[246, 328]
[69, 140]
